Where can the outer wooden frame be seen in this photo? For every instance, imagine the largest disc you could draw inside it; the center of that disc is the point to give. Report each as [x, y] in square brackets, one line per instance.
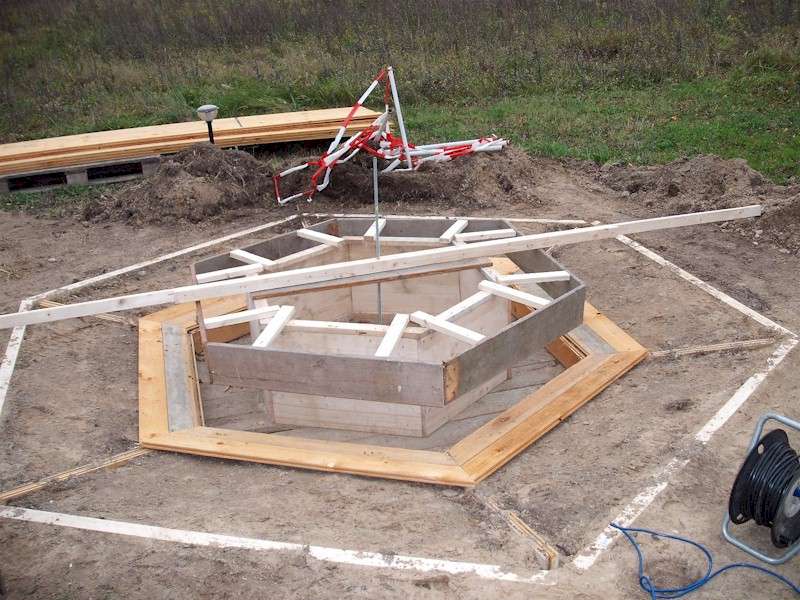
[595, 355]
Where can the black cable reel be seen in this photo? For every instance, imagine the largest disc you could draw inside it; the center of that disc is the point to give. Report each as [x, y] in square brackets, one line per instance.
[767, 489]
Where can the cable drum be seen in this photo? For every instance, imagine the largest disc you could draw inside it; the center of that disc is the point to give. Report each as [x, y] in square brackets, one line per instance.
[766, 489]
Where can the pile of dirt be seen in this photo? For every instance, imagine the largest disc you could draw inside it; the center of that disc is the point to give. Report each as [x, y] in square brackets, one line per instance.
[197, 184]
[207, 183]
[708, 182]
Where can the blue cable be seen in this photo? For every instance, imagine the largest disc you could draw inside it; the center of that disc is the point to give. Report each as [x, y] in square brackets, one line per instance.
[656, 593]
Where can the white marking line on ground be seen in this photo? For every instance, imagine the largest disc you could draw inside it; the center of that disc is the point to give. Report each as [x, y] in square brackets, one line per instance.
[719, 295]
[321, 553]
[743, 393]
[646, 497]
[10, 356]
[18, 333]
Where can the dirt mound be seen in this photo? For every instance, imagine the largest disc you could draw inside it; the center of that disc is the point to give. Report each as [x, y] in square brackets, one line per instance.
[205, 182]
[709, 182]
[194, 185]
[473, 182]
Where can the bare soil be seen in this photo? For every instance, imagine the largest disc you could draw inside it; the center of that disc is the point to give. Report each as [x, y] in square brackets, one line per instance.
[73, 398]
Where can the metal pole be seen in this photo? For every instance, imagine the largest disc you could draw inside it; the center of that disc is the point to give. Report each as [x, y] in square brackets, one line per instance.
[377, 229]
[210, 132]
[400, 123]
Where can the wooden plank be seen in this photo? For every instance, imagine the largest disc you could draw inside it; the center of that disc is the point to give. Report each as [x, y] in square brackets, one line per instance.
[274, 327]
[384, 264]
[515, 295]
[176, 131]
[340, 457]
[514, 342]
[347, 413]
[243, 271]
[181, 413]
[526, 431]
[290, 259]
[465, 306]
[152, 388]
[365, 378]
[457, 227]
[244, 316]
[130, 153]
[544, 277]
[318, 236]
[480, 236]
[446, 327]
[111, 462]
[370, 233]
[250, 258]
[393, 335]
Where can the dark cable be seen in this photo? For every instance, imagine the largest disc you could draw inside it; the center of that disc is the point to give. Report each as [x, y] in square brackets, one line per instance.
[763, 480]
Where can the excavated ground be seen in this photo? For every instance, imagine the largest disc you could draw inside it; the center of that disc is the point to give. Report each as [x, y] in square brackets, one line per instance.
[73, 398]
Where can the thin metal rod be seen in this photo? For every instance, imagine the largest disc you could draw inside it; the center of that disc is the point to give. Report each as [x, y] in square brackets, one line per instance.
[400, 123]
[377, 230]
[210, 132]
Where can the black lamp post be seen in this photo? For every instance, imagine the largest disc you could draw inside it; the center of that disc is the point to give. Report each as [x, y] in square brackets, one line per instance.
[208, 112]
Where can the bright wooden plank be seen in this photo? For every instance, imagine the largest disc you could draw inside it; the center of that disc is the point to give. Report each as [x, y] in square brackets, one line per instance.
[466, 305]
[446, 327]
[274, 327]
[370, 233]
[319, 274]
[231, 273]
[543, 277]
[514, 295]
[176, 131]
[454, 229]
[152, 377]
[290, 259]
[318, 236]
[480, 236]
[340, 457]
[243, 316]
[393, 335]
[250, 258]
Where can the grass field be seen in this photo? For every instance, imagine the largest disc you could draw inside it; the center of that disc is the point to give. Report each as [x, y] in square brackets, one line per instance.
[636, 80]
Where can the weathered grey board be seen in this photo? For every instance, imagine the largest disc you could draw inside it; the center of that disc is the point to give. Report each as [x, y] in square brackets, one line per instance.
[338, 376]
[518, 339]
[273, 248]
[181, 413]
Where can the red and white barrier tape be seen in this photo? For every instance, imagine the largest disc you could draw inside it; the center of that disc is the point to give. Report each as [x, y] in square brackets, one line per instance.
[378, 141]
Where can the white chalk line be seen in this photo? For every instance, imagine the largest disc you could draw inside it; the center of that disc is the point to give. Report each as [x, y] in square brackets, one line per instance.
[10, 357]
[18, 333]
[696, 281]
[321, 553]
[645, 498]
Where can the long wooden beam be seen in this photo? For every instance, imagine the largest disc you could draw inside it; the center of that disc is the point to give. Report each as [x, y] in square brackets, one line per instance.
[367, 266]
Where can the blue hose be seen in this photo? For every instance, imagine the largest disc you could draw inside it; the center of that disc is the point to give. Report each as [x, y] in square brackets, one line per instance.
[655, 593]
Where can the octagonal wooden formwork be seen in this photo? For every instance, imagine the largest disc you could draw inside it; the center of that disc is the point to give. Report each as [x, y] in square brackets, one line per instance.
[595, 354]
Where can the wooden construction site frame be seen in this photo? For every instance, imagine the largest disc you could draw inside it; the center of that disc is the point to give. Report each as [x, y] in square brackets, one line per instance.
[322, 370]
[595, 354]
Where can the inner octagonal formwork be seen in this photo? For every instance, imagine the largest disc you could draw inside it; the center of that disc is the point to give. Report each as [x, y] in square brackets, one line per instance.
[321, 371]
[593, 354]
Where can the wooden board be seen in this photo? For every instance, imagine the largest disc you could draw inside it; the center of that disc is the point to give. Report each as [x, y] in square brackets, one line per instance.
[383, 380]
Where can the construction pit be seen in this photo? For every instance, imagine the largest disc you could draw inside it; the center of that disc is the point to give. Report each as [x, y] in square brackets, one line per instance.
[659, 446]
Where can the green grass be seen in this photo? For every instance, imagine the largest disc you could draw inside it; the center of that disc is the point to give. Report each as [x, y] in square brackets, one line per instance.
[603, 81]
[737, 117]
